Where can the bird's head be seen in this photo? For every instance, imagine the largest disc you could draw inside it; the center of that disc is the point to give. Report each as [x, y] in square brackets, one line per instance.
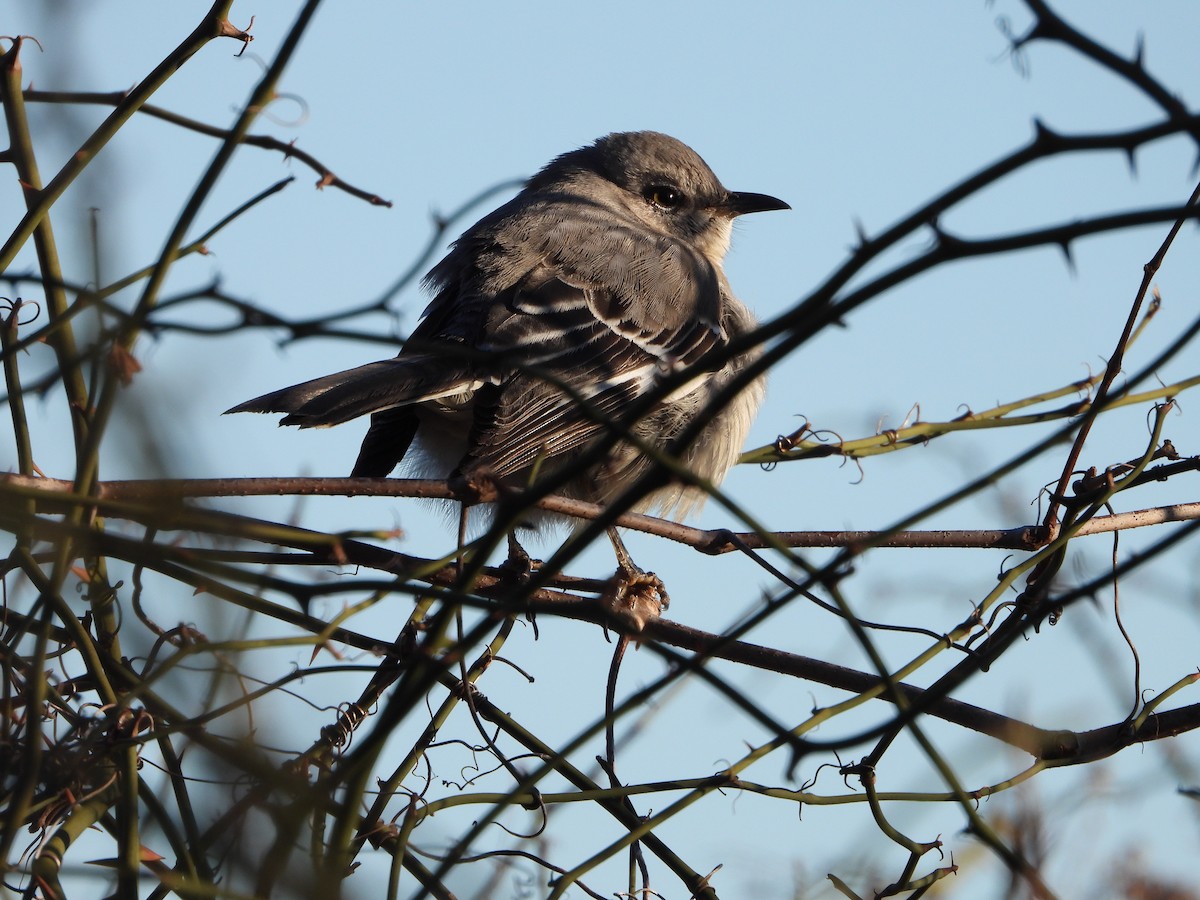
[661, 182]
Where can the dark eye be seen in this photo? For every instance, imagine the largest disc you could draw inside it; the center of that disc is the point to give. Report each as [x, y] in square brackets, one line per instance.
[663, 196]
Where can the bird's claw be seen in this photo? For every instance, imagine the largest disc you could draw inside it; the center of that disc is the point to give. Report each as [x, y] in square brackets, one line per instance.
[519, 565]
[635, 597]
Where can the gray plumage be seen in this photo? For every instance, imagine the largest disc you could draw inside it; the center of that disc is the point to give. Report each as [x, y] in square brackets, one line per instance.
[603, 274]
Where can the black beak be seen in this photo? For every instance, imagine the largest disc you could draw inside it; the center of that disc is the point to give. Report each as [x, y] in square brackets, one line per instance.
[739, 203]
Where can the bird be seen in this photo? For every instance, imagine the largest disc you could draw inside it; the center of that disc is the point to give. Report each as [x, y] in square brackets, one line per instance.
[591, 307]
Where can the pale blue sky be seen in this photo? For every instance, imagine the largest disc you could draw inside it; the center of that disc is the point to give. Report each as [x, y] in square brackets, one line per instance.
[851, 112]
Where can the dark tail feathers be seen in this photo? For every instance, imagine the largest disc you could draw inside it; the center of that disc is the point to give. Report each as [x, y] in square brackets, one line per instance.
[377, 386]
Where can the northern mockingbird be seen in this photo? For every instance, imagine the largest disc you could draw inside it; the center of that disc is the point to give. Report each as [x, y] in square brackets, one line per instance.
[551, 318]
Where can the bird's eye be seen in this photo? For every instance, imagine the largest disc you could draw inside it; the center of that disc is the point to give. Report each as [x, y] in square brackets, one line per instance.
[663, 196]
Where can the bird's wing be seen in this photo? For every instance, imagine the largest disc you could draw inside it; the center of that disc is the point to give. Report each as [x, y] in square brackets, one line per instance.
[582, 352]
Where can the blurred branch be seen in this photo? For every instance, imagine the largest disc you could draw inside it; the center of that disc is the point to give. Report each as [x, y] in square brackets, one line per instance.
[215, 24]
[123, 344]
[288, 149]
[89, 298]
[21, 153]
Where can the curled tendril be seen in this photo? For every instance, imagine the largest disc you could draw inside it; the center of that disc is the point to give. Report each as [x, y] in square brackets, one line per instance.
[13, 308]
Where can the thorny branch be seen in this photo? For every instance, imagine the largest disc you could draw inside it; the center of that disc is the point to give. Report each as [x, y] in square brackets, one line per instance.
[266, 142]
[143, 501]
[80, 742]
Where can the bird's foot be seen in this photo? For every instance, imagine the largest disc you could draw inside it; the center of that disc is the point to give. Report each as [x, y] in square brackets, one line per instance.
[635, 597]
[519, 566]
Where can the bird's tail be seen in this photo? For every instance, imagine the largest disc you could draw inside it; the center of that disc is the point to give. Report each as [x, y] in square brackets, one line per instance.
[377, 386]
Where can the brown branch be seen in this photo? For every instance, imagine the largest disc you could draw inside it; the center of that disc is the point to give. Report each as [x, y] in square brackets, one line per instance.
[1058, 746]
[1116, 361]
[710, 541]
[1061, 747]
